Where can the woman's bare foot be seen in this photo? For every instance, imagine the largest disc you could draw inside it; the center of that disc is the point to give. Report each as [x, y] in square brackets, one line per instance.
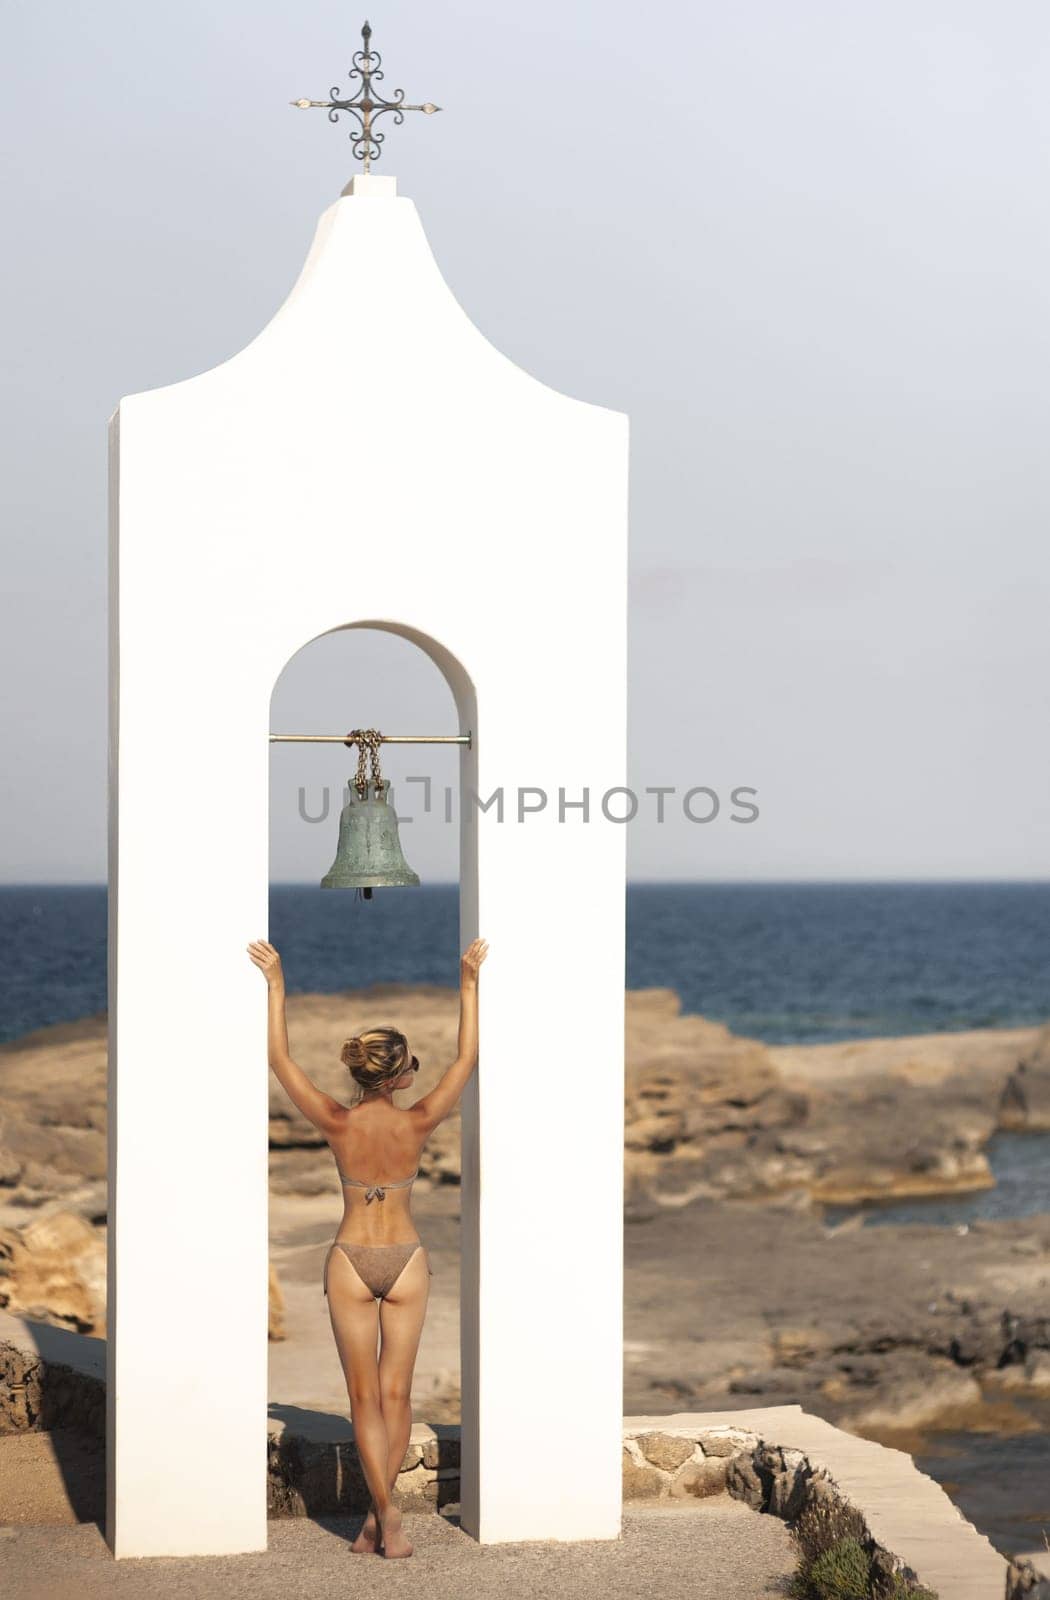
[365, 1543]
[393, 1541]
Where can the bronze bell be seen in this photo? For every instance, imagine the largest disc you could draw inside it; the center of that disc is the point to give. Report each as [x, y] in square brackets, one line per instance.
[369, 854]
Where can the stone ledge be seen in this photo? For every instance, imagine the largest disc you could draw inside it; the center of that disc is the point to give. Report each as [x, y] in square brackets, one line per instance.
[313, 1468]
[50, 1378]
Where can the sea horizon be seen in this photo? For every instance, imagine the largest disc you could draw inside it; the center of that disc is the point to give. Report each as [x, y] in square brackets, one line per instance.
[785, 961]
[448, 883]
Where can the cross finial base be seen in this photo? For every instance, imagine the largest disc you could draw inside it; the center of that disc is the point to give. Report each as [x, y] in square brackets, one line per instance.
[375, 187]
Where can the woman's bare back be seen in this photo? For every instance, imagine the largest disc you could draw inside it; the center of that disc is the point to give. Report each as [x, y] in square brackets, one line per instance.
[379, 1144]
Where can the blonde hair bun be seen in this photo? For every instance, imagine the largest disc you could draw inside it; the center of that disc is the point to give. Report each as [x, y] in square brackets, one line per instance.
[353, 1053]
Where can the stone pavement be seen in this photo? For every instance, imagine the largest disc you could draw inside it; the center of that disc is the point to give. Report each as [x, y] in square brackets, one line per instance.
[714, 1549]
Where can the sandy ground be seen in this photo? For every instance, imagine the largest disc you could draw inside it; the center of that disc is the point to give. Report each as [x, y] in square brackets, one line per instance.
[716, 1549]
[50, 1478]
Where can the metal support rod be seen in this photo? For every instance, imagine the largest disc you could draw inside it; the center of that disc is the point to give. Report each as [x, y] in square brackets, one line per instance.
[386, 738]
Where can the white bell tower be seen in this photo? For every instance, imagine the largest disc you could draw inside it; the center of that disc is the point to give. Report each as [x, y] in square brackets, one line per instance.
[369, 460]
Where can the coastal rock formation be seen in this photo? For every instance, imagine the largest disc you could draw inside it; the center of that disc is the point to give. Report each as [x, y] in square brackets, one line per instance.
[56, 1269]
[53, 1116]
[711, 1115]
[707, 1114]
[904, 1117]
[1025, 1100]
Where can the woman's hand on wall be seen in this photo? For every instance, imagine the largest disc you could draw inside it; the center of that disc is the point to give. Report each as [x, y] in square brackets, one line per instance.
[268, 961]
[470, 963]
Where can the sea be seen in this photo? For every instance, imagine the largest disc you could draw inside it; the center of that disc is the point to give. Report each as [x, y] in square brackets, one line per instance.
[786, 963]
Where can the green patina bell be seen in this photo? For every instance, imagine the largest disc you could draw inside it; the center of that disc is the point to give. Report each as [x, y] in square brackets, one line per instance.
[369, 854]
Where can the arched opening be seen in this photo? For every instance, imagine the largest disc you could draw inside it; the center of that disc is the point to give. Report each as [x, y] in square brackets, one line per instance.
[351, 963]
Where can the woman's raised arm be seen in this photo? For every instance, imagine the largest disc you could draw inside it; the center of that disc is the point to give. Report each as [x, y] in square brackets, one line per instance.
[435, 1106]
[319, 1108]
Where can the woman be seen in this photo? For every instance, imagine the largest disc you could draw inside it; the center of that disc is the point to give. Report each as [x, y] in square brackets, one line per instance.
[376, 1272]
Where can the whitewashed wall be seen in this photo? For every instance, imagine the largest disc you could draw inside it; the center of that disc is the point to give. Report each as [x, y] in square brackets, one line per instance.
[246, 505]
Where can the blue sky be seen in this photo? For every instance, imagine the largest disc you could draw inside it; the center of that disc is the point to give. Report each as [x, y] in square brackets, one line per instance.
[806, 247]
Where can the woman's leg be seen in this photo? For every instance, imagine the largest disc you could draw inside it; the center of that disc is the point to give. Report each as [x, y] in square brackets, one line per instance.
[355, 1324]
[401, 1316]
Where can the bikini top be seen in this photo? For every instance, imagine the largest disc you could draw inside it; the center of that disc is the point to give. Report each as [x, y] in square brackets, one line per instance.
[377, 1191]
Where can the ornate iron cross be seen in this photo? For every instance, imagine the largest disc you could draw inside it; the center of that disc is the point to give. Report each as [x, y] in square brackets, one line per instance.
[366, 104]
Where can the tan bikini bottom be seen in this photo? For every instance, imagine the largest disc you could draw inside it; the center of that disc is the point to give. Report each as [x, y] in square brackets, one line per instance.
[379, 1265]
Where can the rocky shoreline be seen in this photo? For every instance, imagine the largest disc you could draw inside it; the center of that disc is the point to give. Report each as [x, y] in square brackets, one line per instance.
[710, 1115]
[887, 1332]
[737, 1291]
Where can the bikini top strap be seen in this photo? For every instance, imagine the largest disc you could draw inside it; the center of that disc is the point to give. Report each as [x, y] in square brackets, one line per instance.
[377, 1191]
